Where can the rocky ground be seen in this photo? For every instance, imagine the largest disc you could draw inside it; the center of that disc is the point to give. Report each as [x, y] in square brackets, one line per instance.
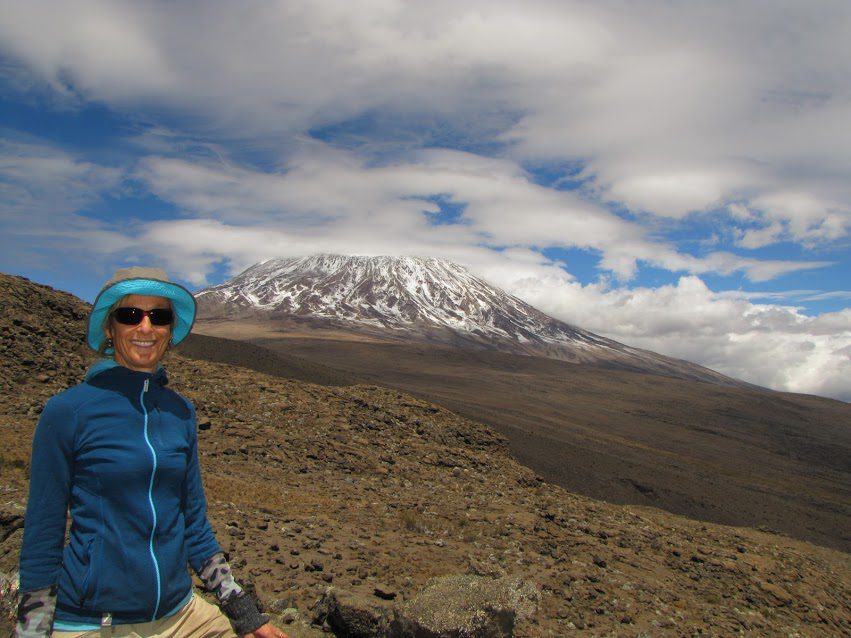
[364, 511]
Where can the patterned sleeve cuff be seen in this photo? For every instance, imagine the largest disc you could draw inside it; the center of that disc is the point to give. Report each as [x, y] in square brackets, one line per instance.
[218, 578]
[244, 615]
[35, 613]
[238, 606]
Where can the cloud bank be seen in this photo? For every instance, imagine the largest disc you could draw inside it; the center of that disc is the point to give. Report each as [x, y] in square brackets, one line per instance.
[568, 151]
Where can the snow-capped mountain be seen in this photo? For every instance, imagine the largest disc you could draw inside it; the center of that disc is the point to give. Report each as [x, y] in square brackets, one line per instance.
[419, 299]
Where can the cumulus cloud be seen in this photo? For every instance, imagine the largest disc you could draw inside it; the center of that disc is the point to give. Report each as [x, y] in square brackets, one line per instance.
[687, 137]
[767, 344]
[707, 111]
[327, 193]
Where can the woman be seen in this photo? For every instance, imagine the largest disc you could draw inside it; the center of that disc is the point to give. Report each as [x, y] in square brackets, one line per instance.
[120, 450]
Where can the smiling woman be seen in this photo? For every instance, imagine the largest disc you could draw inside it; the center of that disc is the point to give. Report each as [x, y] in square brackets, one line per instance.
[120, 452]
[139, 329]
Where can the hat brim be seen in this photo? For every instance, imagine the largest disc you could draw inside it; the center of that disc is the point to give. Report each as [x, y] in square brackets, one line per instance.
[182, 303]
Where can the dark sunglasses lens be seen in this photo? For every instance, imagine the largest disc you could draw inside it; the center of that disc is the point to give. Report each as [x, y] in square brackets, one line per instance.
[161, 316]
[133, 316]
[128, 316]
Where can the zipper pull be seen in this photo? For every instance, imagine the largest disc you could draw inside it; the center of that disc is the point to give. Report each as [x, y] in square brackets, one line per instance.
[145, 389]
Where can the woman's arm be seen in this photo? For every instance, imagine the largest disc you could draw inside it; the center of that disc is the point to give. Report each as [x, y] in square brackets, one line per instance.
[51, 471]
[235, 603]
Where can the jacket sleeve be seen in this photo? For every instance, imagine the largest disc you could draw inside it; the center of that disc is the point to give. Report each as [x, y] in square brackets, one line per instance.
[51, 472]
[200, 540]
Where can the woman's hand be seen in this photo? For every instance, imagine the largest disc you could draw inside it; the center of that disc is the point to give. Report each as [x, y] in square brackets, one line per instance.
[267, 631]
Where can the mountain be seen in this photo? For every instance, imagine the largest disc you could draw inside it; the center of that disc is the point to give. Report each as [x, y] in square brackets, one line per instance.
[422, 299]
[343, 508]
[721, 452]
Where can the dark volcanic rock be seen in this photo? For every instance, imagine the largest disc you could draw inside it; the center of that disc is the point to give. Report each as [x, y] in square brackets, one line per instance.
[246, 355]
[354, 616]
[448, 607]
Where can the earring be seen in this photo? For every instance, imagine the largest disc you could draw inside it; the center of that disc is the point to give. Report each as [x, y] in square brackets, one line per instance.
[109, 343]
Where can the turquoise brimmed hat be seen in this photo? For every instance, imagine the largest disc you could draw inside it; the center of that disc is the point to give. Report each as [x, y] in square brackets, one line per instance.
[141, 281]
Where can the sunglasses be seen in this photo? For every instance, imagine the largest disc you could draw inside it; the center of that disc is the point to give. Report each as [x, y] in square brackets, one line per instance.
[133, 316]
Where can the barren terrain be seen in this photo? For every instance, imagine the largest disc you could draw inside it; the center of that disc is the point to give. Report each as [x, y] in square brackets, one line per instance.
[374, 502]
[733, 455]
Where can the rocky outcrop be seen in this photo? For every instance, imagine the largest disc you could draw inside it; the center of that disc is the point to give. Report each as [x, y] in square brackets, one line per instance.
[467, 606]
[354, 615]
[457, 606]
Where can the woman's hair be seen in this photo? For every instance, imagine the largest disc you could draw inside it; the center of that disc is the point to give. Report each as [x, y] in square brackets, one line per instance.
[107, 342]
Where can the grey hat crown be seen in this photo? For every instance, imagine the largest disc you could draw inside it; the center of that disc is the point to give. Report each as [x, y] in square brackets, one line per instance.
[137, 272]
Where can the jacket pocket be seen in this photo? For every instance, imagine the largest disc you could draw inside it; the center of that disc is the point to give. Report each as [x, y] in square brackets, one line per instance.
[87, 586]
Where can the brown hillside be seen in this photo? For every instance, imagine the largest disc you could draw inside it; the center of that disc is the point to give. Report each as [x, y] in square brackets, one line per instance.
[733, 455]
[374, 493]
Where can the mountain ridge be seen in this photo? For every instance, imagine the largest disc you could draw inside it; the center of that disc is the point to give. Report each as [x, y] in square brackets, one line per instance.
[424, 299]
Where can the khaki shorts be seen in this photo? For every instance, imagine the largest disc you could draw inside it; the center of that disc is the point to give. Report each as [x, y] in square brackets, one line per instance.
[198, 619]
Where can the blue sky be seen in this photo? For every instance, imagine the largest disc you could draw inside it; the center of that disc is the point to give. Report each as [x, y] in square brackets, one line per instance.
[676, 176]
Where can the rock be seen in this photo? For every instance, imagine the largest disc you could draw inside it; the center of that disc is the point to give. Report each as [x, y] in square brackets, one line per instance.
[466, 607]
[352, 615]
[9, 523]
[289, 616]
[384, 592]
[280, 605]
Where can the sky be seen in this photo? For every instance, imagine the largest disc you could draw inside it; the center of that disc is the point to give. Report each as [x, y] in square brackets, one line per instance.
[672, 175]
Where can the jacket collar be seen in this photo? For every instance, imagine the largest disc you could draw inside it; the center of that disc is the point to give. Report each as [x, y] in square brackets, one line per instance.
[109, 368]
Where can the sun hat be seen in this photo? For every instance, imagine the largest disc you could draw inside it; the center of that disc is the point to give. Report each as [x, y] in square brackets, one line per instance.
[141, 281]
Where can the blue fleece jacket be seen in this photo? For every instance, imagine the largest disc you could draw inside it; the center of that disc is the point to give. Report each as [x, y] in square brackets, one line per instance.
[119, 450]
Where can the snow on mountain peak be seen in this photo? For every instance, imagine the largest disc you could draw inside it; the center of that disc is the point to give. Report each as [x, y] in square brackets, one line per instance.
[399, 293]
[419, 298]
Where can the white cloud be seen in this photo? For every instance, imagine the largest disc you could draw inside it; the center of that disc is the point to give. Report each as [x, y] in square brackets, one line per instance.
[676, 192]
[674, 108]
[766, 344]
[100, 48]
[329, 193]
[807, 218]
[671, 111]
[42, 181]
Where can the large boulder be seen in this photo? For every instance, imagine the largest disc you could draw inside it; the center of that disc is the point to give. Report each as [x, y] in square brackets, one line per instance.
[466, 607]
[352, 615]
[461, 606]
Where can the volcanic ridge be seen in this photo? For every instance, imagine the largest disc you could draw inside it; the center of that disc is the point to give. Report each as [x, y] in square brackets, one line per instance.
[597, 418]
[424, 299]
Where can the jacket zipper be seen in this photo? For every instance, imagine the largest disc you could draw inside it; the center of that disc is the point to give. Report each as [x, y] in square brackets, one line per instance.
[85, 586]
[151, 499]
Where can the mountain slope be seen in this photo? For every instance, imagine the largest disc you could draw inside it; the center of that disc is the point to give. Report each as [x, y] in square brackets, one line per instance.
[739, 456]
[422, 299]
[376, 492]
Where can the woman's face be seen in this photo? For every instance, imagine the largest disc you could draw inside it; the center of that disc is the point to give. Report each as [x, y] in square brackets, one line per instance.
[140, 347]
